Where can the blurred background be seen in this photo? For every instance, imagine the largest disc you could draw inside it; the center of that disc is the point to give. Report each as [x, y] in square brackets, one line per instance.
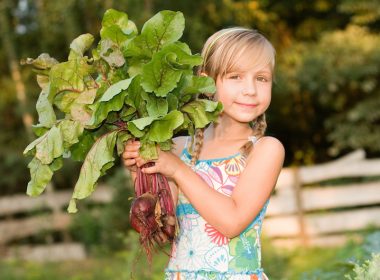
[325, 214]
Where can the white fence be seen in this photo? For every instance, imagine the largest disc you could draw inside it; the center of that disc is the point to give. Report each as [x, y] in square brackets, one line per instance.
[297, 213]
[51, 216]
[318, 214]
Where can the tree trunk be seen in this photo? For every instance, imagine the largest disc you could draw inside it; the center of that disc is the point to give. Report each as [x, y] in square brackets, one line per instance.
[7, 40]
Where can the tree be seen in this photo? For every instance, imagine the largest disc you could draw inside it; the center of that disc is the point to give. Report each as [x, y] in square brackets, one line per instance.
[331, 90]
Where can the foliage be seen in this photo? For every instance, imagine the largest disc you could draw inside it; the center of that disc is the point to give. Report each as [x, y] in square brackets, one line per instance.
[369, 270]
[103, 228]
[51, 26]
[331, 88]
[346, 260]
[134, 85]
[363, 12]
[299, 263]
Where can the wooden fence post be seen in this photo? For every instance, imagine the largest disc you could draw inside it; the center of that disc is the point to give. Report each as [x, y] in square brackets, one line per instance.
[299, 206]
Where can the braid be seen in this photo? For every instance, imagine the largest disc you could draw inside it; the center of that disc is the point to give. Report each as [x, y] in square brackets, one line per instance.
[199, 133]
[258, 128]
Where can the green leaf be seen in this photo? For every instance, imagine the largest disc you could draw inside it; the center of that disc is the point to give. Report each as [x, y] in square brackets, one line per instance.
[199, 84]
[134, 97]
[112, 100]
[156, 106]
[162, 129]
[80, 45]
[187, 126]
[48, 147]
[127, 113]
[39, 129]
[40, 174]
[115, 89]
[42, 62]
[79, 109]
[159, 77]
[179, 56]
[162, 29]
[166, 146]
[172, 102]
[80, 149]
[111, 53]
[137, 126]
[113, 17]
[117, 27]
[141, 123]
[162, 74]
[98, 160]
[46, 114]
[202, 112]
[56, 164]
[64, 100]
[148, 150]
[71, 131]
[69, 76]
[122, 137]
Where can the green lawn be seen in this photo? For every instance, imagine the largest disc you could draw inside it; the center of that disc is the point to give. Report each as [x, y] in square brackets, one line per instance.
[279, 264]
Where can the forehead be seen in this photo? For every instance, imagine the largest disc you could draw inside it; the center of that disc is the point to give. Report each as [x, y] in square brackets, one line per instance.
[249, 59]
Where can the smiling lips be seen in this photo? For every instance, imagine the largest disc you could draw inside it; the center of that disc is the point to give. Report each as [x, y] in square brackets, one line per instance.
[247, 105]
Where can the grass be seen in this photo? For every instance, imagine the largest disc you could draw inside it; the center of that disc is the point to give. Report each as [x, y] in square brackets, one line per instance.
[279, 264]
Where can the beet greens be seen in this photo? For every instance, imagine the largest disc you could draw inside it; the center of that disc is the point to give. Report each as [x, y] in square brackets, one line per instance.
[130, 85]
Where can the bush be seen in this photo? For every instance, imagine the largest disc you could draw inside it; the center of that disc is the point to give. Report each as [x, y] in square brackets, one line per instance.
[102, 228]
[369, 270]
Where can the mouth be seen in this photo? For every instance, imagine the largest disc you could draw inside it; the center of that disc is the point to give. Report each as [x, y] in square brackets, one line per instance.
[247, 105]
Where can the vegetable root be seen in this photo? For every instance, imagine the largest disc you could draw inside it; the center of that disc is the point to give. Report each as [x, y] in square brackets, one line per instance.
[152, 212]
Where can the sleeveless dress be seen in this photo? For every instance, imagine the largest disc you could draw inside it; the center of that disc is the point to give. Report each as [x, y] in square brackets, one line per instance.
[200, 252]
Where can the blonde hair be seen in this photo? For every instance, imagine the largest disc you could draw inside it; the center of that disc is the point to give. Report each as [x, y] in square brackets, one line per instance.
[223, 53]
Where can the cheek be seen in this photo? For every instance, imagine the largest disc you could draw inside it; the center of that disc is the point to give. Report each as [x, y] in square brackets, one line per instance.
[225, 100]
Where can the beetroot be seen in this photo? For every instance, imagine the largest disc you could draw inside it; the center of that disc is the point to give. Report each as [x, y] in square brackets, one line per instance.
[152, 212]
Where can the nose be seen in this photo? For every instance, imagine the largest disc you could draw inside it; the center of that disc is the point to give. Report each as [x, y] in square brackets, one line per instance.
[249, 88]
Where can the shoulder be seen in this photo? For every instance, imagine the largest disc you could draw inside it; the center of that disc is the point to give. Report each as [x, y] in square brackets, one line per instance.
[267, 148]
[267, 142]
[179, 144]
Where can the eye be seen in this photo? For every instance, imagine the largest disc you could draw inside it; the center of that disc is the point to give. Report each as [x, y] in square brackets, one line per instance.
[263, 79]
[234, 76]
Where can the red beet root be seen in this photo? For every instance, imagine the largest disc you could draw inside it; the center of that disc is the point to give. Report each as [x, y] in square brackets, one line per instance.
[152, 211]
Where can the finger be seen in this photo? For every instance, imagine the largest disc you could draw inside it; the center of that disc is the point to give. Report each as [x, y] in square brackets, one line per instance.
[150, 170]
[136, 142]
[128, 155]
[131, 143]
[140, 161]
[129, 162]
[131, 148]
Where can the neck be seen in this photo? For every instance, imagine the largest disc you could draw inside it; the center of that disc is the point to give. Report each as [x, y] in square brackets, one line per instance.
[227, 129]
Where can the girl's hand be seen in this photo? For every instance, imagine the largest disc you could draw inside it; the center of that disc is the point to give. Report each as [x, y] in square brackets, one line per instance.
[167, 164]
[131, 155]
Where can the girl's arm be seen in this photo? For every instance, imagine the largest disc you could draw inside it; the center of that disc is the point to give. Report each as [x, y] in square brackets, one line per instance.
[230, 215]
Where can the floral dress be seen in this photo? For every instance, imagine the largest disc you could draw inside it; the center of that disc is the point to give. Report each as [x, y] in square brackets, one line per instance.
[200, 252]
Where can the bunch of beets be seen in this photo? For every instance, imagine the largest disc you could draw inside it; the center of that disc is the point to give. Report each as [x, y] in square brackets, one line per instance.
[152, 211]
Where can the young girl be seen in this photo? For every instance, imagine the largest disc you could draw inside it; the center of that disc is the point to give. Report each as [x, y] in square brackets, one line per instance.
[222, 185]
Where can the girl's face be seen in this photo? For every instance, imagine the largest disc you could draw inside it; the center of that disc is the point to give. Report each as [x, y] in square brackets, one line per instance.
[245, 94]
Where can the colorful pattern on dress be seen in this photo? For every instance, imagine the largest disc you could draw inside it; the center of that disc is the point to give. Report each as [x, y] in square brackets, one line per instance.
[201, 252]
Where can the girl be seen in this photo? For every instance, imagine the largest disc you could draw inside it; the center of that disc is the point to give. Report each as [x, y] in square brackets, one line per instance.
[222, 184]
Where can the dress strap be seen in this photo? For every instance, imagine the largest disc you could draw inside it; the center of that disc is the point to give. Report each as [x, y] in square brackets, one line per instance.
[253, 139]
[187, 143]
